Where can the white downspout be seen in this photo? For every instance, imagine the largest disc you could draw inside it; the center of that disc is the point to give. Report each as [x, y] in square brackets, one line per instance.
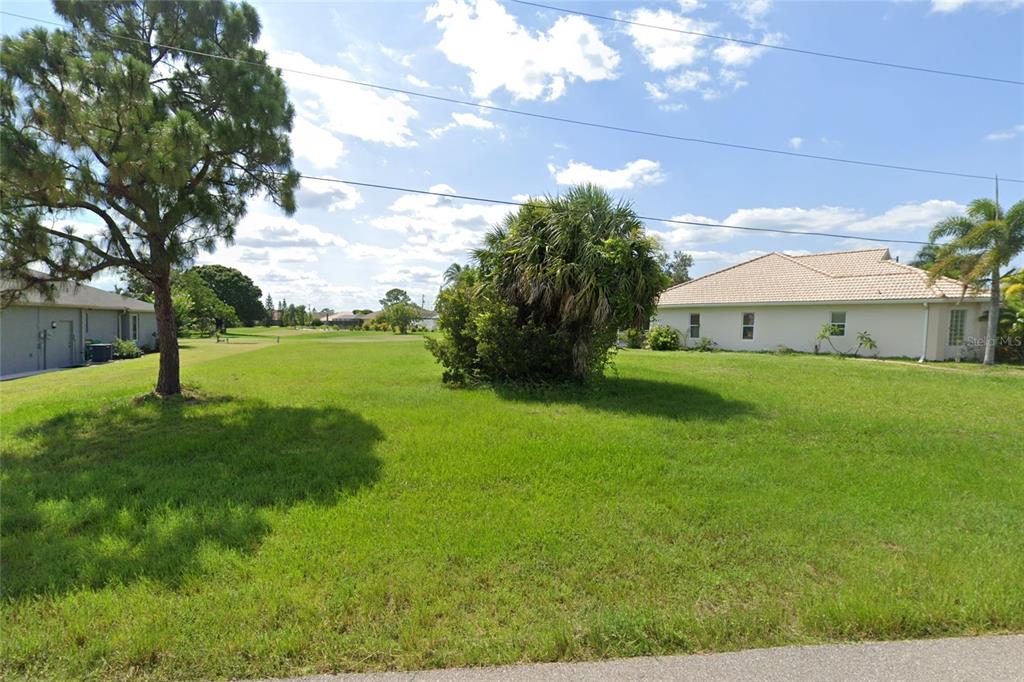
[924, 339]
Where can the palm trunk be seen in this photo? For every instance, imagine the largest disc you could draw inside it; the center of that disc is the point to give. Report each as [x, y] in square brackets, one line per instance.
[993, 321]
[169, 380]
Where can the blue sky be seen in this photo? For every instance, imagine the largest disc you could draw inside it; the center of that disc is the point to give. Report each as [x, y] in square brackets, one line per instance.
[346, 246]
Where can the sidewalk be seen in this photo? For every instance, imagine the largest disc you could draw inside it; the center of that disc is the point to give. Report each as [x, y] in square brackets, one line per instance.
[978, 659]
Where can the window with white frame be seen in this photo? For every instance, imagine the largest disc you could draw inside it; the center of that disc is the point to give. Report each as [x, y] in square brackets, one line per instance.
[694, 325]
[838, 324]
[135, 327]
[957, 319]
[748, 325]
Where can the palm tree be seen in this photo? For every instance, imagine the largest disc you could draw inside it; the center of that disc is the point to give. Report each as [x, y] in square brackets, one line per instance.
[578, 264]
[452, 274]
[982, 242]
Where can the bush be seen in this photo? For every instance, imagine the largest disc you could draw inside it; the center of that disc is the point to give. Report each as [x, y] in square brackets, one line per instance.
[705, 345]
[633, 338]
[552, 285]
[125, 348]
[663, 337]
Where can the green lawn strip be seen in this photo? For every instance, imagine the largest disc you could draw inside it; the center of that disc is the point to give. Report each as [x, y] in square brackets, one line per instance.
[332, 506]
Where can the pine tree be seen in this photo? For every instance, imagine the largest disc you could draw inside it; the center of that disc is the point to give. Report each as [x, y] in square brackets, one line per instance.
[161, 147]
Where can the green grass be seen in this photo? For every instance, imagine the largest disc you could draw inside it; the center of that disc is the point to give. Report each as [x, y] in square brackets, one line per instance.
[328, 505]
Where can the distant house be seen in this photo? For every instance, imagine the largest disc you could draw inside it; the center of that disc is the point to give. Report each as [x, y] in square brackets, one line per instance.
[425, 318]
[783, 301]
[350, 320]
[36, 334]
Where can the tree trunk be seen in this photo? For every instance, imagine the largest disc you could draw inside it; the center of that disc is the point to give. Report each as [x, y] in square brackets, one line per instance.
[992, 334]
[169, 380]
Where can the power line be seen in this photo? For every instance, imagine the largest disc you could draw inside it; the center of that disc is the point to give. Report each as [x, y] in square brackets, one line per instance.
[754, 43]
[548, 117]
[672, 221]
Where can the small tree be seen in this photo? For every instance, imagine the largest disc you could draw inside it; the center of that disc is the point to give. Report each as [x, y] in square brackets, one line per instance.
[205, 313]
[236, 289]
[677, 267]
[394, 296]
[268, 310]
[400, 316]
[161, 147]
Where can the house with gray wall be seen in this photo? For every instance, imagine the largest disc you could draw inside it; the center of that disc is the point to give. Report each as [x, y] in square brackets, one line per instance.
[36, 334]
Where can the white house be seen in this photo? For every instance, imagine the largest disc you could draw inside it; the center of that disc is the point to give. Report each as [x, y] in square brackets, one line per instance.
[36, 334]
[784, 301]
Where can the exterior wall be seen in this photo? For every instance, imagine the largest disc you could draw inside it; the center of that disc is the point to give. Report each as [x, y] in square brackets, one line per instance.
[20, 347]
[102, 326]
[25, 332]
[897, 328]
[147, 331]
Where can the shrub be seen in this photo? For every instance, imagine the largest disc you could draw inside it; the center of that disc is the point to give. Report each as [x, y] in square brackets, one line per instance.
[663, 337]
[705, 345]
[633, 338]
[552, 286]
[125, 348]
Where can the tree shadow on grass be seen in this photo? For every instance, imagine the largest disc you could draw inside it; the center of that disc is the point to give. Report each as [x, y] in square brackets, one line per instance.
[666, 399]
[141, 491]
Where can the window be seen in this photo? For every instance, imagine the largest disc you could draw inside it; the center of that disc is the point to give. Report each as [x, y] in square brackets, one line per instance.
[838, 324]
[135, 328]
[694, 325]
[956, 327]
[748, 325]
[87, 323]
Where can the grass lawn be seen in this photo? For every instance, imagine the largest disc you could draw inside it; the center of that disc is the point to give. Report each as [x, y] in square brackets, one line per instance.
[328, 505]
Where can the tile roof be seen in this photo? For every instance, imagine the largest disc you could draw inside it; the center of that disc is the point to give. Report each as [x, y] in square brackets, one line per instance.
[867, 275]
[70, 295]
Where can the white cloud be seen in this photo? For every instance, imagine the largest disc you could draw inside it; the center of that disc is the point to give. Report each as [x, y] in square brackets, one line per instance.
[315, 144]
[418, 82]
[904, 218]
[462, 120]
[267, 231]
[639, 172]
[697, 67]
[337, 108]
[908, 217]
[448, 225]
[676, 236]
[947, 6]
[665, 50]
[396, 56]
[1008, 134]
[655, 93]
[501, 53]
[333, 196]
[752, 11]
[687, 80]
[796, 142]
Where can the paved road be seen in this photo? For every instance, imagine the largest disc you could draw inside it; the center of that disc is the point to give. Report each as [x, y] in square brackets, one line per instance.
[974, 659]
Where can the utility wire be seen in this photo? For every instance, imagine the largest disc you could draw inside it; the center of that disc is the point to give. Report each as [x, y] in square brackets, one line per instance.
[754, 43]
[672, 221]
[547, 117]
